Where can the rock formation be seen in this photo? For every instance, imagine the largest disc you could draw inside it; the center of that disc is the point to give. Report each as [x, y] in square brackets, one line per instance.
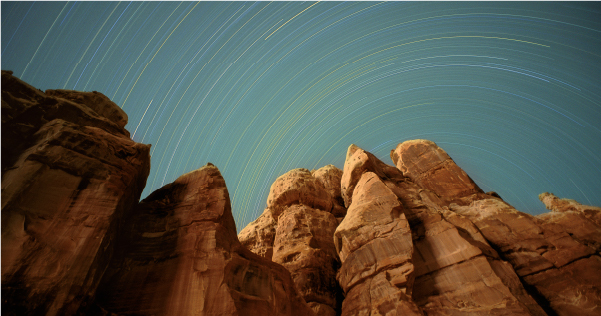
[423, 238]
[547, 259]
[75, 241]
[181, 245]
[416, 238]
[70, 173]
[299, 211]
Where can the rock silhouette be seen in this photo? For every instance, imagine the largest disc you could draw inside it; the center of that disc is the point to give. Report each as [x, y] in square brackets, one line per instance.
[418, 237]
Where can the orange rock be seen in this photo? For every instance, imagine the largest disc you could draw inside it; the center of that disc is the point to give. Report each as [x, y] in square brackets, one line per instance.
[259, 235]
[430, 167]
[304, 246]
[300, 207]
[357, 162]
[297, 186]
[375, 247]
[573, 289]
[330, 177]
[69, 176]
[538, 248]
[447, 245]
[457, 271]
[582, 222]
[181, 245]
[420, 239]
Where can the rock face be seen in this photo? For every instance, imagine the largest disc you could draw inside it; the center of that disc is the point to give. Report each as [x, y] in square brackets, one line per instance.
[75, 241]
[70, 173]
[542, 251]
[300, 209]
[423, 238]
[417, 239]
[440, 251]
[181, 244]
[259, 235]
[330, 176]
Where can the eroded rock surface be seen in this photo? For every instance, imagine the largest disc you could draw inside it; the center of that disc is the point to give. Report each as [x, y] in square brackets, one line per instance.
[374, 240]
[375, 248]
[259, 235]
[70, 173]
[304, 246]
[330, 177]
[297, 186]
[531, 245]
[181, 244]
[296, 231]
[430, 167]
[442, 250]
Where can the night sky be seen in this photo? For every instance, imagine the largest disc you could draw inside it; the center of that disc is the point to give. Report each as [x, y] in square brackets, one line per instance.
[511, 90]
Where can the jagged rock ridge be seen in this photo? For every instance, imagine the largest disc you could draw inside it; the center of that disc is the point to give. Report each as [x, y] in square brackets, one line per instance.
[416, 238]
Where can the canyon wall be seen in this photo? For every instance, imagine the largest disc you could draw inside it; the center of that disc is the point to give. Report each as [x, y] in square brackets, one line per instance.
[418, 237]
[70, 173]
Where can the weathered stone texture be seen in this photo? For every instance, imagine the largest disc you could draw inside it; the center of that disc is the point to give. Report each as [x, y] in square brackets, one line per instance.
[430, 167]
[374, 241]
[531, 245]
[181, 245]
[296, 231]
[259, 235]
[330, 177]
[297, 186]
[304, 246]
[70, 173]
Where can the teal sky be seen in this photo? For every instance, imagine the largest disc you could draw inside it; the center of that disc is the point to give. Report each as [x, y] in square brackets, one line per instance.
[511, 90]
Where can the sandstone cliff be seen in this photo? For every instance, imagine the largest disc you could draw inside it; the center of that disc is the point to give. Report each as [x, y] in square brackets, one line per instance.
[416, 238]
[70, 173]
[296, 231]
[180, 256]
[424, 239]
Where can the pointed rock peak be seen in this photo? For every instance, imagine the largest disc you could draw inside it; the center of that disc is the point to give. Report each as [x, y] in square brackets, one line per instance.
[351, 150]
[557, 204]
[209, 170]
[359, 161]
[197, 196]
[431, 167]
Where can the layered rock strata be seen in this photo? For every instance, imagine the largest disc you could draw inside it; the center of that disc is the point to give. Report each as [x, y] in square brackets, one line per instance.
[548, 256]
[440, 251]
[296, 231]
[373, 241]
[423, 238]
[70, 173]
[181, 245]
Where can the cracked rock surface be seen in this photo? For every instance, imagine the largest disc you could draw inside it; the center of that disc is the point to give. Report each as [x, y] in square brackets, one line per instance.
[70, 173]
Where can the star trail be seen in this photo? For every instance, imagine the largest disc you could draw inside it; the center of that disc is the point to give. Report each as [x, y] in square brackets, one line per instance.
[511, 90]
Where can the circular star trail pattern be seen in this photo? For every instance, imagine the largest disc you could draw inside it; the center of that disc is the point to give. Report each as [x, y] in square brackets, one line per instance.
[512, 91]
